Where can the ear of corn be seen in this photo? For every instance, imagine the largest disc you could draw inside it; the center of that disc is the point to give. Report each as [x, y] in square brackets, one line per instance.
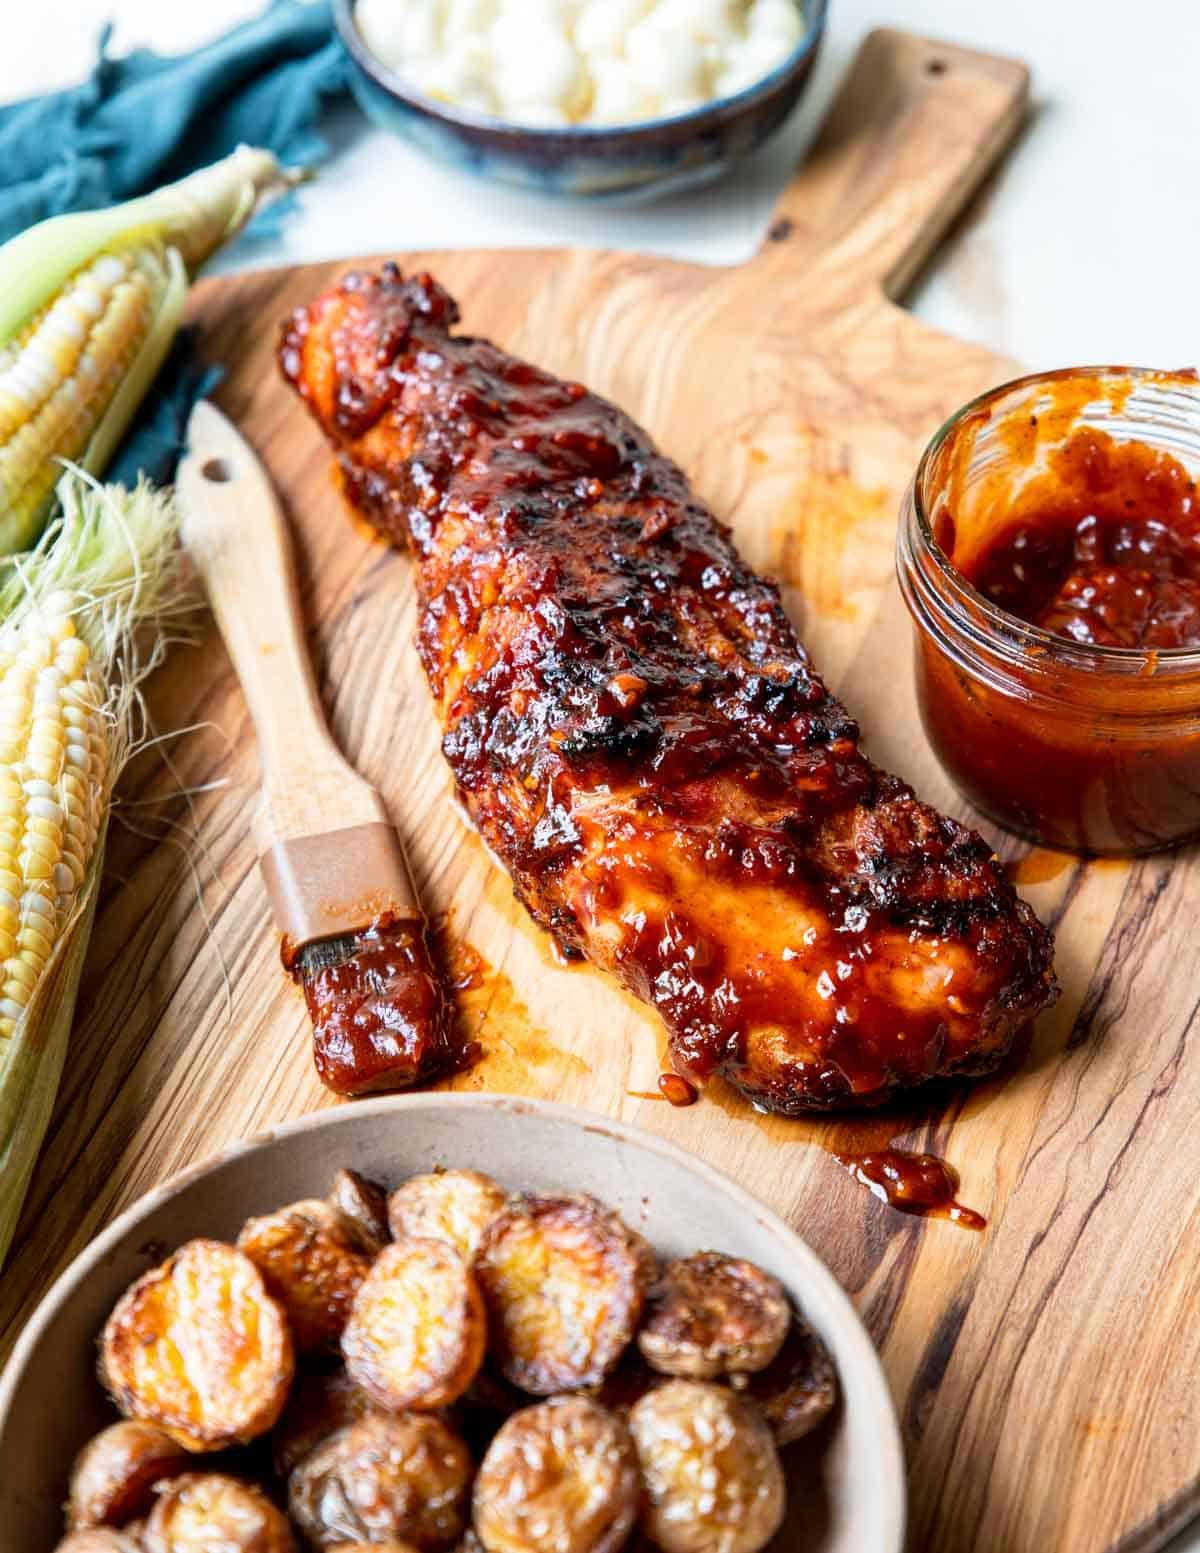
[54, 760]
[70, 384]
[83, 620]
[195, 215]
[89, 305]
[33, 1057]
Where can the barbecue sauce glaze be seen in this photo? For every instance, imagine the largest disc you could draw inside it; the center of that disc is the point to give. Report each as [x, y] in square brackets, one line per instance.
[641, 739]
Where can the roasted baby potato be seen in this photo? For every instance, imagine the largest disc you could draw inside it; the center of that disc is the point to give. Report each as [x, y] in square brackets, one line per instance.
[112, 1481]
[714, 1315]
[798, 1388]
[198, 1347]
[99, 1539]
[561, 1476]
[710, 1467]
[363, 1202]
[313, 1259]
[451, 1205]
[321, 1402]
[564, 1281]
[211, 1513]
[403, 1476]
[417, 1331]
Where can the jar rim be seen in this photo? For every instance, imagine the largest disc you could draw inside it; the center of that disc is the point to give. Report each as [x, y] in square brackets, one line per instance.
[1015, 632]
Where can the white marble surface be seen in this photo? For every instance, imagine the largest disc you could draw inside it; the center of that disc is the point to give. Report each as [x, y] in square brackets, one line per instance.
[1084, 248]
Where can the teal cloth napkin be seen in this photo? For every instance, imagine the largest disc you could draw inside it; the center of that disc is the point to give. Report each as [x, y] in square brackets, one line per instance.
[147, 119]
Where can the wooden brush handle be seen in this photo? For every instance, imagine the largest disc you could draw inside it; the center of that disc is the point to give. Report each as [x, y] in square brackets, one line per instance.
[236, 533]
[915, 128]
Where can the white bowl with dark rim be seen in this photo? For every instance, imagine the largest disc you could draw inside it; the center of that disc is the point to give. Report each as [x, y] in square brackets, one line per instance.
[846, 1481]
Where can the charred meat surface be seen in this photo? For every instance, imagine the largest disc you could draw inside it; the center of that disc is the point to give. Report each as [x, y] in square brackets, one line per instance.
[639, 736]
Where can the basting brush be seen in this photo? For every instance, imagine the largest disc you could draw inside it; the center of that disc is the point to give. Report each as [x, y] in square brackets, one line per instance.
[353, 932]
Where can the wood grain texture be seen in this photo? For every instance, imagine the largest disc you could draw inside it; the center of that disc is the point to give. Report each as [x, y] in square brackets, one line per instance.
[1045, 1369]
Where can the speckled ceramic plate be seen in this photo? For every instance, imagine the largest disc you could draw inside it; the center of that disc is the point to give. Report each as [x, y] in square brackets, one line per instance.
[847, 1481]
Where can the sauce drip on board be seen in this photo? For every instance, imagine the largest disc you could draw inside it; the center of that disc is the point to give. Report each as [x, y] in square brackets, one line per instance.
[923, 1184]
[916, 1182]
[1104, 548]
[677, 1090]
[379, 1015]
[1039, 866]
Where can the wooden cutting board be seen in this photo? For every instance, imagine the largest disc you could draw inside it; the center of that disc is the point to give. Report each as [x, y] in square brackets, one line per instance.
[1045, 1370]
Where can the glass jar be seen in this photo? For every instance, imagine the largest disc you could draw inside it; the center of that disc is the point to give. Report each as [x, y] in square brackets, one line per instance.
[1090, 748]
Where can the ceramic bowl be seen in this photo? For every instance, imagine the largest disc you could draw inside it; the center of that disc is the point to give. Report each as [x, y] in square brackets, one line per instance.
[847, 1479]
[645, 160]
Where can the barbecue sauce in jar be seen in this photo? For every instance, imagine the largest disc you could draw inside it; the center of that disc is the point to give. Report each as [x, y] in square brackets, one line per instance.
[1050, 555]
[1104, 549]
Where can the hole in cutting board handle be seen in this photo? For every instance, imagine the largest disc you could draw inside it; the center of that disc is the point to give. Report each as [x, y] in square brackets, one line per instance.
[217, 470]
[936, 67]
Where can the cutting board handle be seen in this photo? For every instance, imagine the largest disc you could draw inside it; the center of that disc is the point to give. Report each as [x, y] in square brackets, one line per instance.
[914, 129]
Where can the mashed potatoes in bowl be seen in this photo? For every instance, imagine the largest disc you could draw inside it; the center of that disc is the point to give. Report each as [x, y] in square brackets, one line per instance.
[555, 63]
[598, 99]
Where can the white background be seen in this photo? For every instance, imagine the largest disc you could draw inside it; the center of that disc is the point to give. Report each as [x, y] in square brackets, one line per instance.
[1084, 248]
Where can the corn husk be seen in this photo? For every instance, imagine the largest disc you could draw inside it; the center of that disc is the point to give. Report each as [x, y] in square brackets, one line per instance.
[117, 551]
[29, 1079]
[195, 216]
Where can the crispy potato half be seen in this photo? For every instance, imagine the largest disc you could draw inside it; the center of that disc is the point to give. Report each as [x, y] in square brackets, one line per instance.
[198, 1347]
[363, 1202]
[402, 1476]
[321, 1402]
[112, 1481]
[313, 1260]
[564, 1281]
[451, 1205]
[560, 1476]
[798, 1388]
[714, 1315]
[99, 1539]
[211, 1513]
[710, 1467]
[417, 1332]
